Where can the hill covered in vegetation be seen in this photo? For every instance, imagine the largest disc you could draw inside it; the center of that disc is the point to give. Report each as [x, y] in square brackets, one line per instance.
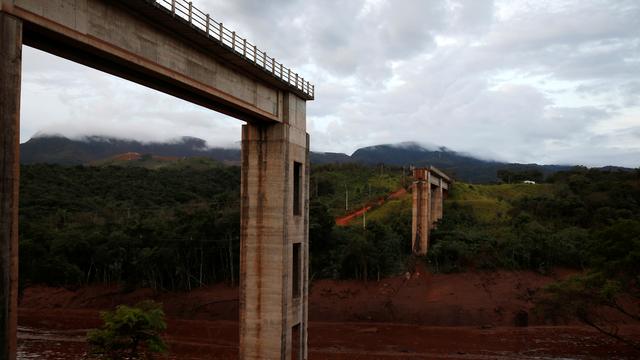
[464, 167]
[166, 225]
[178, 227]
[526, 226]
[102, 150]
[167, 228]
[63, 151]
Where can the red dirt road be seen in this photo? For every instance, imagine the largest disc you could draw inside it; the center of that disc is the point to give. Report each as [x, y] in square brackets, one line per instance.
[346, 219]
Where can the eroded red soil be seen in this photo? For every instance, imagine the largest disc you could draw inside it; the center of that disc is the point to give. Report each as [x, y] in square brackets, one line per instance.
[347, 218]
[421, 316]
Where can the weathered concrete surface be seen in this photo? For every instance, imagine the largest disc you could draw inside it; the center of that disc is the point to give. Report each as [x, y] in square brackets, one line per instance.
[432, 205]
[269, 228]
[147, 47]
[438, 200]
[10, 74]
[420, 223]
[428, 189]
[135, 40]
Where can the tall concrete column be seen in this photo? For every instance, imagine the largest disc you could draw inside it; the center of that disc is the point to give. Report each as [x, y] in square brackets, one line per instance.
[432, 206]
[438, 202]
[10, 74]
[414, 215]
[274, 237]
[420, 223]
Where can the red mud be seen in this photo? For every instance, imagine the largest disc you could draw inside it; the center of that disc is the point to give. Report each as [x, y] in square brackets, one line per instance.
[425, 316]
[346, 219]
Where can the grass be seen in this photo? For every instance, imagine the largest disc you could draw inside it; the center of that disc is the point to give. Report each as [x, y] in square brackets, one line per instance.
[490, 203]
[365, 184]
[516, 191]
[390, 209]
[487, 208]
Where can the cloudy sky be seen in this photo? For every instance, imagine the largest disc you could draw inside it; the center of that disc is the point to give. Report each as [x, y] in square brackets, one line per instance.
[525, 81]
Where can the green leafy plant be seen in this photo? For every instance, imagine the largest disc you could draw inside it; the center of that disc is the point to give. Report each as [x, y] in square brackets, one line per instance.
[611, 286]
[129, 332]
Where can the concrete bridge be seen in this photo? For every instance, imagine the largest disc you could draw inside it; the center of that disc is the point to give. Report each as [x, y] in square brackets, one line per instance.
[171, 46]
[430, 187]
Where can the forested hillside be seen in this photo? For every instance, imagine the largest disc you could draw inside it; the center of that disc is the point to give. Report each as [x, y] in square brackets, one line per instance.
[178, 227]
[64, 151]
[166, 228]
[103, 150]
[538, 227]
[561, 223]
[345, 187]
[173, 227]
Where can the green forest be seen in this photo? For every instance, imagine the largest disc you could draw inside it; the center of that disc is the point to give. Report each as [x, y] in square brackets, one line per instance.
[171, 228]
[177, 227]
[538, 227]
[586, 220]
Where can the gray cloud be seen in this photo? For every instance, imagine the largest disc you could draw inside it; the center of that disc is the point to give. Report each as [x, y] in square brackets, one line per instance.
[527, 81]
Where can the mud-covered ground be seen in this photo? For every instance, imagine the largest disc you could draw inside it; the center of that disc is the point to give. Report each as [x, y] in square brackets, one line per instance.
[421, 316]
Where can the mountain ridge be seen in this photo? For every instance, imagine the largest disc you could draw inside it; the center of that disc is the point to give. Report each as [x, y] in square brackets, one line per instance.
[64, 151]
[94, 149]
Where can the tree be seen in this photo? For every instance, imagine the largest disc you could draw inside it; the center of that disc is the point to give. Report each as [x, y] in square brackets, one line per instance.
[611, 284]
[321, 239]
[515, 176]
[129, 332]
[589, 298]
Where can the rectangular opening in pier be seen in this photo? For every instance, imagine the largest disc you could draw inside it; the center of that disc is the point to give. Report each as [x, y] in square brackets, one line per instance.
[297, 194]
[295, 276]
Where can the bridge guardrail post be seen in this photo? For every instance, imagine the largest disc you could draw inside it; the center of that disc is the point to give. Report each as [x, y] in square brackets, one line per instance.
[233, 41]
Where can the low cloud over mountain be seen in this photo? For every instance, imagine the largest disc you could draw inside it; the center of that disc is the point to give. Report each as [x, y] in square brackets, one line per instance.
[93, 149]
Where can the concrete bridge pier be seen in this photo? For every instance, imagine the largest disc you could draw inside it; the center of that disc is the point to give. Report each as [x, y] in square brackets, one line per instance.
[188, 55]
[428, 189]
[273, 236]
[10, 74]
[420, 224]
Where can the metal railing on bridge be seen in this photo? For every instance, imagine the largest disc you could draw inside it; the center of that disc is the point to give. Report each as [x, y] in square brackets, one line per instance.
[240, 46]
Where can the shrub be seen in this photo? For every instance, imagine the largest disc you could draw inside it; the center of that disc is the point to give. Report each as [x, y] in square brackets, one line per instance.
[129, 332]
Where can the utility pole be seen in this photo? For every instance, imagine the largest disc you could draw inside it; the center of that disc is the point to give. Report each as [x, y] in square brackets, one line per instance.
[364, 218]
[346, 198]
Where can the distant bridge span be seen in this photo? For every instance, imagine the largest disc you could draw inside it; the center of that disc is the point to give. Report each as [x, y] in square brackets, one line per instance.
[430, 187]
[171, 46]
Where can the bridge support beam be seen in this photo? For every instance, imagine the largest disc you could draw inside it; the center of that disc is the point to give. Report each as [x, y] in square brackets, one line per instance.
[437, 202]
[10, 74]
[421, 220]
[274, 237]
[428, 189]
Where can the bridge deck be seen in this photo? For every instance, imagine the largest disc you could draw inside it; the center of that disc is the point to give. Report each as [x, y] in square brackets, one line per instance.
[148, 43]
[181, 17]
